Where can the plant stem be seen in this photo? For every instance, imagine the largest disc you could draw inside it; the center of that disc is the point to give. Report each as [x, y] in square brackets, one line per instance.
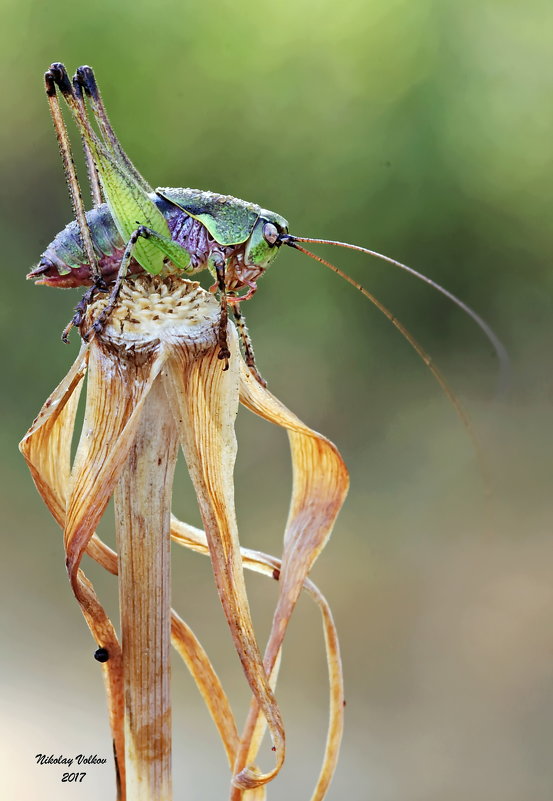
[142, 513]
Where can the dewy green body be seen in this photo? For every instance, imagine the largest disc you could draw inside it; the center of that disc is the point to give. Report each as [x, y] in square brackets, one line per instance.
[133, 228]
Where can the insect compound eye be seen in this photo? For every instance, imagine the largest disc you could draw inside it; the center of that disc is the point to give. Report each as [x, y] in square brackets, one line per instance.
[270, 233]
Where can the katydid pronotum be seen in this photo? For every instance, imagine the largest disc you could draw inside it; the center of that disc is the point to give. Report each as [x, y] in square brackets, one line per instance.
[133, 228]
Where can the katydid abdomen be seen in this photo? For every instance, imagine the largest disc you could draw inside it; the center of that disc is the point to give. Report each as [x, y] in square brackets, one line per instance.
[64, 263]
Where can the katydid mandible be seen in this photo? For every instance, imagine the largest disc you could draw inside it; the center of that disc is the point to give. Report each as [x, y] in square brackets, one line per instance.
[133, 228]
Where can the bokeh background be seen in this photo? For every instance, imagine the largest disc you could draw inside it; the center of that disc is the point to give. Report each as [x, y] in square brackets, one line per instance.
[420, 128]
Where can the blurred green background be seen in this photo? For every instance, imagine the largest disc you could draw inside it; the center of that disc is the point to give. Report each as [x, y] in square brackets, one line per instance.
[421, 129]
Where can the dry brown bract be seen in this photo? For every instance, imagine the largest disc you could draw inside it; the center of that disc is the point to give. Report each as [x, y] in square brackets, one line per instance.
[154, 379]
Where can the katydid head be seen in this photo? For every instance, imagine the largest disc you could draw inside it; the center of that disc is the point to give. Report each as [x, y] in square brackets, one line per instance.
[265, 239]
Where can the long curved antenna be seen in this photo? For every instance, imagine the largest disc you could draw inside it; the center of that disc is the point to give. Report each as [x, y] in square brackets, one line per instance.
[448, 392]
[500, 350]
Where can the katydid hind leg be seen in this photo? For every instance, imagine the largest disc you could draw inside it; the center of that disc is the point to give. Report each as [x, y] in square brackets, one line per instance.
[80, 310]
[72, 95]
[85, 78]
[129, 203]
[50, 80]
[244, 334]
[93, 177]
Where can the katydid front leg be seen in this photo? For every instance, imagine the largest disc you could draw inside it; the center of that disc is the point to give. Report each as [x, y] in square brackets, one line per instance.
[218, 261]
[244, 334]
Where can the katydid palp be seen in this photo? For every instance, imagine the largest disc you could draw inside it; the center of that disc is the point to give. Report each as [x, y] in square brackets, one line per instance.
[133, 228]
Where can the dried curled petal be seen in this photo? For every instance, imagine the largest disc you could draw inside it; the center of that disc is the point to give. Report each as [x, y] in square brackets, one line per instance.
[164, 333]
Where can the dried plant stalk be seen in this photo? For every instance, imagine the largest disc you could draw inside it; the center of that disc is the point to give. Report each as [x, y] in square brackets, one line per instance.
[153, 377]
[143, 519]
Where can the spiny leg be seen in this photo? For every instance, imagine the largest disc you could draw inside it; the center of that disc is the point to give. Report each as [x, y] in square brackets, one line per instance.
[71, 176]
[73, 96]
[80, 310]
[76, 202]
[224, 352]
[93, 178]
[75, 101]
[130, 205]
[244, 334]
[84, 77]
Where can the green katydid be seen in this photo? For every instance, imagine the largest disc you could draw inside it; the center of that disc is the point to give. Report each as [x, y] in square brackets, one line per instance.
[133, 228]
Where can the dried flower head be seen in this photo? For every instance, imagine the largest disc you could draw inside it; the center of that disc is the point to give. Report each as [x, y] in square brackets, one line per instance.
[154, 381]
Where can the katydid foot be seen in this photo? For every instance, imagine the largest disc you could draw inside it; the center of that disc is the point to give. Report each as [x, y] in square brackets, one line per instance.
[80, 310]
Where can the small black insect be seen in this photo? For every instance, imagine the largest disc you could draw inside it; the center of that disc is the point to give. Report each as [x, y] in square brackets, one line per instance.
[101, 654]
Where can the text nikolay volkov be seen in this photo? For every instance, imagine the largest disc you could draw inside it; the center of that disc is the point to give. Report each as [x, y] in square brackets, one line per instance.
[80, 759]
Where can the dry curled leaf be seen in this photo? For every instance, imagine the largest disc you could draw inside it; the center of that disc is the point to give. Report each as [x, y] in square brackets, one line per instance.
[162, 342]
